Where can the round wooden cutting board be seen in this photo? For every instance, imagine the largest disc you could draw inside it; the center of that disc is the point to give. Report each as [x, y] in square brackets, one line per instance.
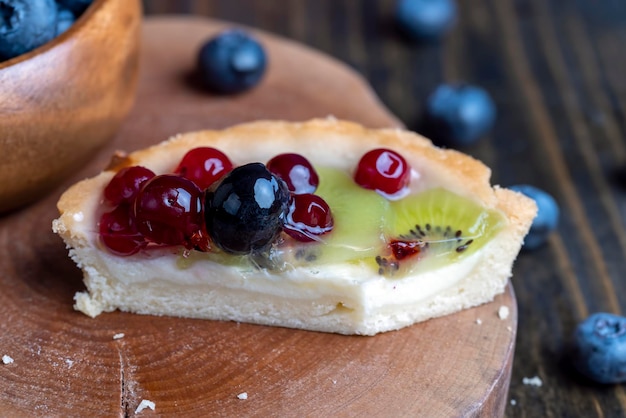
[66, 364]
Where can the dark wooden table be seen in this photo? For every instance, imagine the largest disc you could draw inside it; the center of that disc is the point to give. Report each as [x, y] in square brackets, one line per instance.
[556, 70]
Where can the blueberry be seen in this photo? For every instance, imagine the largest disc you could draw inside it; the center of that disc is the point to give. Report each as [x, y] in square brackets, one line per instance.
[425, 20]
[76, 6]
[25, 25]
[65, 19]
[231, 62]
[458, 115]
[246, 210]
[599, 348]
[547, 215]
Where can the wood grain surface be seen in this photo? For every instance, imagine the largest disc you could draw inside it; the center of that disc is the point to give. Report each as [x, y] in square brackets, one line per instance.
[556, 71]
[66, 364]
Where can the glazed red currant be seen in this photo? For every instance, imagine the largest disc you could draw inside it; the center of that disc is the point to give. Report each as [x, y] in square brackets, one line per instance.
[168, 210]
[204, 166]
[125, 185]
[296, 171]
[383, 170]
[404, 249]
[118, 231]
[309, 217]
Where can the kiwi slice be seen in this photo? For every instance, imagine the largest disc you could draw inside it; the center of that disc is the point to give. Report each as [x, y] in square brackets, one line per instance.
[442, 225]
[359, 220]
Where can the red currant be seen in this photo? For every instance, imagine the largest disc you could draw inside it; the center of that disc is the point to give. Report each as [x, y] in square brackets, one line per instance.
[404, 249]
[125, 185]
[309, 217]
[296, 171]
[169, 210]
[383, 170]
[204, 166]
[118, 232]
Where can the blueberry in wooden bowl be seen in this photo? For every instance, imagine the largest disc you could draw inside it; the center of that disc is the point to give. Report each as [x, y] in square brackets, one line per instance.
[61, 101]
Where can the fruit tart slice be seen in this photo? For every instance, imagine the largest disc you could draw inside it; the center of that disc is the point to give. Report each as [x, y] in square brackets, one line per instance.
[323, 225]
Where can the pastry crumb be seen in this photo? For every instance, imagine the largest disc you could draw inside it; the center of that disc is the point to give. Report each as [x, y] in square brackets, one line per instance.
[532, 381]
[243, 395]
[479, 321]
[118, 336]
[7, 359]
[143, 405]
[503, 312]
[69, 362]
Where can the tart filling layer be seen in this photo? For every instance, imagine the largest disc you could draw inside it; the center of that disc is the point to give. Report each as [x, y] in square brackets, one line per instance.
[342, 281]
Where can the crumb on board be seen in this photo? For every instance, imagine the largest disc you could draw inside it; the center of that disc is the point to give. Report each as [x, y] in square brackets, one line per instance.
[533, 381]
[479, 321]
[243, 395]
[503, 312]
[7, 359]
[143, 405]
[118, 336]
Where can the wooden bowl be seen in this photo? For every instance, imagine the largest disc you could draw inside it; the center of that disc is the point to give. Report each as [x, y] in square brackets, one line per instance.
[60, 102]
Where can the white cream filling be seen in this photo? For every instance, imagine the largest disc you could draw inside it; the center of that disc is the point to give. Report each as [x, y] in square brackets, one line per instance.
[354, 286]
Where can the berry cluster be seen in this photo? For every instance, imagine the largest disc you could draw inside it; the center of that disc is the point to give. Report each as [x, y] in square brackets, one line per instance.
[309, 215]
[28, 24]
[208, 202]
